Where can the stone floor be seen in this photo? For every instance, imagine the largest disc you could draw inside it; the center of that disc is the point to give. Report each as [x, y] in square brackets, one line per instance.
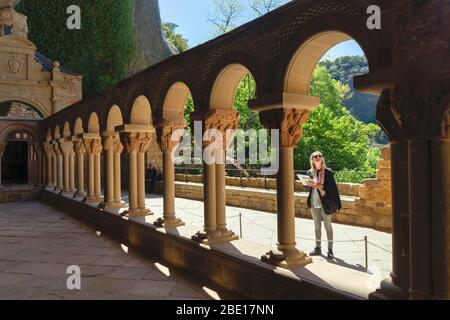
[261, 227]
[38, 243]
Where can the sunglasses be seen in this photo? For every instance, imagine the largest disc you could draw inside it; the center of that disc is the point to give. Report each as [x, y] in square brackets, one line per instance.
[317, 157]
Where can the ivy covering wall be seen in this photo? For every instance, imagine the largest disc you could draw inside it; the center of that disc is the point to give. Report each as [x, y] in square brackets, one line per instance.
[101, 51]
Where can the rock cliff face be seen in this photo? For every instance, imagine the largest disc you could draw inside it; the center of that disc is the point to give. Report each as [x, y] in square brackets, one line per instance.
[151, 44]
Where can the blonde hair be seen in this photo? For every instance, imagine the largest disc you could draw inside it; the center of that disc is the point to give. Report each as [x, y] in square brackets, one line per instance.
[311, 161]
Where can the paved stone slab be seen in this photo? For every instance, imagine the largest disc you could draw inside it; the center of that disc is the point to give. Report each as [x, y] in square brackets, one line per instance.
[38, 243]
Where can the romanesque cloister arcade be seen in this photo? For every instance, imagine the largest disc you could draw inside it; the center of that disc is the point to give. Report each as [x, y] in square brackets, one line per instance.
[280, 50]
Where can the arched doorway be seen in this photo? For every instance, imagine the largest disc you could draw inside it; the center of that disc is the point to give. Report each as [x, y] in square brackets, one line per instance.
[18, 157]
[19, 162]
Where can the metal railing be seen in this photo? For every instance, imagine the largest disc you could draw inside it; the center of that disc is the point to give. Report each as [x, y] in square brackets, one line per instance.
[365, 239]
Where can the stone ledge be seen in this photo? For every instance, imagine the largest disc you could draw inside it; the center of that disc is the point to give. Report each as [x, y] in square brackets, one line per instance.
[234, 266]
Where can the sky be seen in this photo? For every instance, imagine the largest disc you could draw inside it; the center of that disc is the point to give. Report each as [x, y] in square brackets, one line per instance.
[191, 16]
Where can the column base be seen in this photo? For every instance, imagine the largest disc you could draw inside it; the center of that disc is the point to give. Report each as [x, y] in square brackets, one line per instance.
[133, 213]
[213, 237]
[92, 199]
[388, 291]
[111, 205]
[288, 259]
[80, 194]
[169, 223]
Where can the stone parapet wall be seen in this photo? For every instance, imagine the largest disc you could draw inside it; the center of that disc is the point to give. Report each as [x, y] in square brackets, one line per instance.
[350, 189]
[366, 205]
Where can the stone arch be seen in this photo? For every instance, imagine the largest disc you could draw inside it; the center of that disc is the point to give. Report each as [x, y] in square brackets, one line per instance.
[306, 38]
[141, 112]
[175, 100]
[114, 118]
[49, 134]
[78, 128]
[19, 126]
[41, 109]
[66, 131]
[93, 123]
[57, 133]
[225, 86]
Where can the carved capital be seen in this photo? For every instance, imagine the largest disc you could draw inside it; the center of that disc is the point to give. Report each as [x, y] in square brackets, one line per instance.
[112, 144]
[288, 121]
[79, 148]
[420, 111]
[66, 147]
[37, 148]
[93, 146]
[137, 141]
[48, 149]
[56, 149]
[226, 121]
[167, 141]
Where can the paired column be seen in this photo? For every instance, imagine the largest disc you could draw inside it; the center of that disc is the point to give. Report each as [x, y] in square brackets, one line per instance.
[2, 151]
[137, 139]
[58, 167]
[93, 146]
[48, 149]
[289, 123]
[215, 142]
[80, 151]
[66, 148]
[113, 148]
[168, 139]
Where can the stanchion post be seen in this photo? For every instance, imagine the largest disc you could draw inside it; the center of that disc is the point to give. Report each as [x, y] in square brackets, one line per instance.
[240, 223]
[366, 253]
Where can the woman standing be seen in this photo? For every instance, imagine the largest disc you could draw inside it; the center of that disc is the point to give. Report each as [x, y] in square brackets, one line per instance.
[323, 201]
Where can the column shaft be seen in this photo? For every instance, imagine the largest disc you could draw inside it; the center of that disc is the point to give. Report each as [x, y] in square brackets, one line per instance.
[440, 186]
[285, 201]
[209, 200]
[66, 175]
[72, 172]
[91, 179]
[97, 177]
[141, 180]
[132, 187]
[420, 213]
[80, 177]
[109, 194]
[117, 179]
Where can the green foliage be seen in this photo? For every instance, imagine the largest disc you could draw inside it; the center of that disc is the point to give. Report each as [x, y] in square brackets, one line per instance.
[344, 140]
[175, 39]
[246, 91]
[101, 51]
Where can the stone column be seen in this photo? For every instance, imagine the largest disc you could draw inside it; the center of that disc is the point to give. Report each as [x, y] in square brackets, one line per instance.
[397, 286]
[80, 151]
[118, 148]
[108, 146]
[289, 123]
[93, 149]
[137, 141]
[112, 147]
[2, 151]
[59, 167]
[72, 170]
[440, 182]
[97, 150]
[66, 148]
[227, 122]
[37, 146]
[168, 142]
[48, 149]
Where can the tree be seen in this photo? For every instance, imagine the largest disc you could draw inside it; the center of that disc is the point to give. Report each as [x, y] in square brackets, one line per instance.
[261, 7]
[345, 141]
[226, 14]
[175, 39]
[101, 55]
